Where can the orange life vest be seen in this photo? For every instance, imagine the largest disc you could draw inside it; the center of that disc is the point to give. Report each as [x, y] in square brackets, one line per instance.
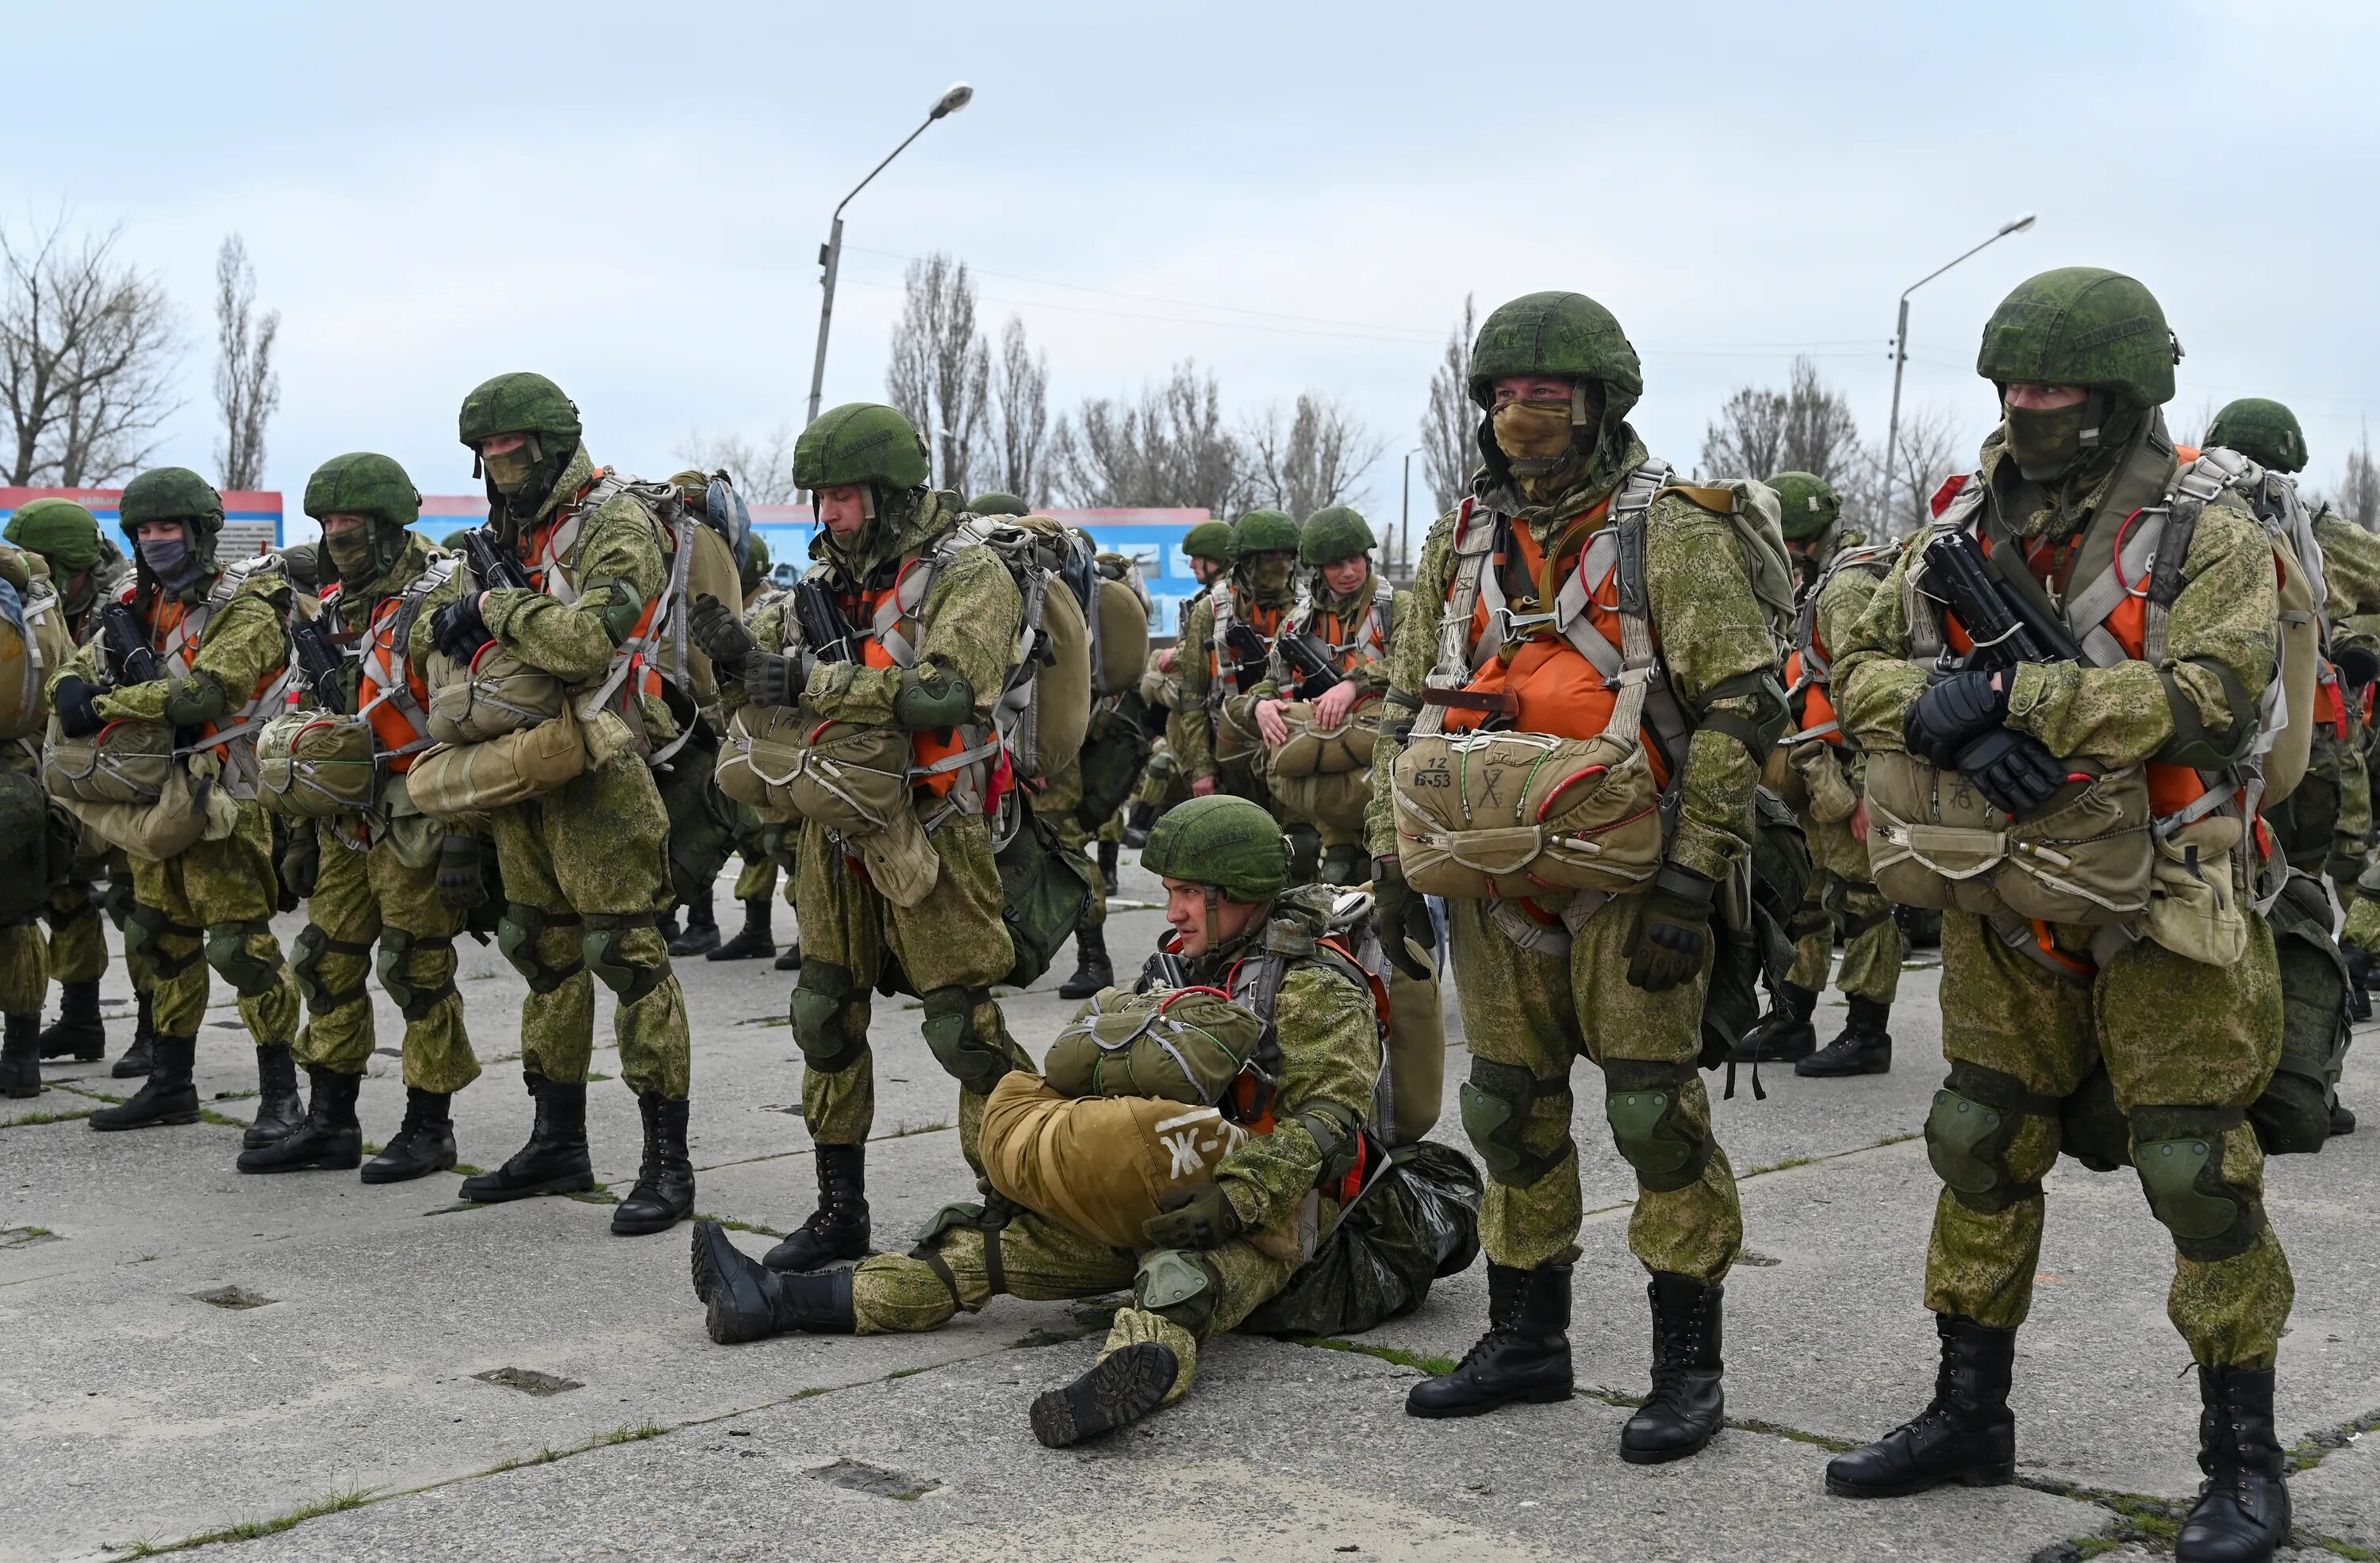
[1266, 622]
[390, 692]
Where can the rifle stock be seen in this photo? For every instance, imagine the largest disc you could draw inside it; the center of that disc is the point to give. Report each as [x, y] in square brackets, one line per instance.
[1249, 654]
[2007, 627]
[825, 631]
[1310, 663]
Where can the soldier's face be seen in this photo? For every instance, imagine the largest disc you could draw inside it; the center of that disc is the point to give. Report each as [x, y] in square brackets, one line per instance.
[338, 522]
[2044, 398]
[156, 531]
[1206, 572]
[1530, 387]
[1346, 575]
[842, 510]
[1186, 913]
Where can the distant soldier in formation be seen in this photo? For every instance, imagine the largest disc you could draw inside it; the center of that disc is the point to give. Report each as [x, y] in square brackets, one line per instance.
[1206, 549]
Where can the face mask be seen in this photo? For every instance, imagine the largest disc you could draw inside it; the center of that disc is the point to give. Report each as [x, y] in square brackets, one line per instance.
[510, 470]
[1533, 431]
[2046, 443]
[83, 593]
[1268, 577]
[351, 551]
[169, 559]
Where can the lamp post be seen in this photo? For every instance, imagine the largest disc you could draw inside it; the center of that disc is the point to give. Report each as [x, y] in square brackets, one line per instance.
[1405, 522]
[1899, 350]
[831, 253]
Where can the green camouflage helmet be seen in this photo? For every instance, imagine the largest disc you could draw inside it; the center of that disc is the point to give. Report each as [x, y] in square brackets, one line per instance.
[1227, 842]
[452, 542]
[998, 503]
[519, 403]
[1264, 531]
[2085, 326]
[1564, 334]
[756, 565]
[172, 493]
[1209, 540]
[2264, 432]
[860, 443]
[1334, 533]
[60, 530]
[368, 484]
[303, 564]
[1809, 504]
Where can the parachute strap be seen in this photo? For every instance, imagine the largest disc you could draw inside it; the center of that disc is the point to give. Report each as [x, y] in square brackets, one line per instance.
[1817, 666]
[667, 608]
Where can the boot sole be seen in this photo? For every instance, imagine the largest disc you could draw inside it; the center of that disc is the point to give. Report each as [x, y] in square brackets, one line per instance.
[767, 955]
[1545, 1394]
[728, 1319]
[646, 1227]
[1663, 1457]
[379, 1172]
[163, 1120]
[1965, 1476]
[329, 1162]
[1855, 1070]
[1116, 1393]
[575, 1182]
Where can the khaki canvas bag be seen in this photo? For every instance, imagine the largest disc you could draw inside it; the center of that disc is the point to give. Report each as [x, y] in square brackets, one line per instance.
[494, 693]
[1312, 752]
[312, 765]
[183, 813]
[454, 782]
[1099, 1166]
[1483, 815]
[1184, 1044]
[791, 764]
[124, 762]
[2085, 857]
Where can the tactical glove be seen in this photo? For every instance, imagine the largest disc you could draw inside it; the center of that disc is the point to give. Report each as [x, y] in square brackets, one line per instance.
[1672, 929]
[460, 883]
[1951, 713]
[2015, 770]
[1399, 914]
[1193, 1217]
[301, 866]
[77, 718]
[719, 632]
[459, 630]
[777, 680]
[2356, 665]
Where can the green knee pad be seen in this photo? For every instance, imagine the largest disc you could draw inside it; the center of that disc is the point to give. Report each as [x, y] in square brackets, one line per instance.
[306, 965]
[248, 973]
[413, 1001]
[1968, 1134]
[602, 946]
[978, 1062]
[145, 930]
[1181, 1287]
[2179, 1153]
[1495, 1103]
[1641, 1100]
[829, 1027]
[516, 934]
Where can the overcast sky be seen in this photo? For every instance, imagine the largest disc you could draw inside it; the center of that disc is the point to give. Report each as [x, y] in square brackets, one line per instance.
[630, 197]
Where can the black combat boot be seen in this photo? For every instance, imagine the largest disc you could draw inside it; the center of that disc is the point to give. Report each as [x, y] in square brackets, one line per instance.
[1122, 1388]
[1863, 1047]
[664, 1192]
[669, 926]
[135, 1063]
[1524, 1356]
[2242, 1512]
[1784, 1034]
[1965, 1434]
[1345, 863]
[77, 1030]
[327, 1139]
[167, 1096]
[791, 961]
[424, 1142]
[753, 942]
[1092, 971]
[20, 1057]
[1137, 825]
[748, 1302]
[2359, 981]
[1683, 1413]
[1109, 852]
[2342, 1119]
[701, 936]
[838, 1229]
[554, 1161]
[279, 1107]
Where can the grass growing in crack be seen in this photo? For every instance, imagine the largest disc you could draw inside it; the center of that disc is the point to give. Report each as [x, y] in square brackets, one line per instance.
[1437, 1367]
[29, 1119]
[337, 1501]
[2316, 1447]
[732, 1225]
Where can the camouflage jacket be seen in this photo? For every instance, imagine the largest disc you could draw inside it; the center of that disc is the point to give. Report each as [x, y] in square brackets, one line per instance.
[1371, 677]
[244, 644]
[1190, 730]
[1843, 596]
[353, 612]
[2350, 563]
[1707, 624]
[2227, 614]
[29, 573]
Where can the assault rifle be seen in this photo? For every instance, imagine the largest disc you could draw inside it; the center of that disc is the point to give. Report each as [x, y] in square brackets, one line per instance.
[826, 633]
[320, 664]
[1309, 663]
[1249, 653]
[2006, 626]
[493, 565]
[128, 651]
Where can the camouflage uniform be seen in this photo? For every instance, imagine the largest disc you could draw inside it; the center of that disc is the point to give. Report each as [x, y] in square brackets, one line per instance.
[24, 956]
[757, 843]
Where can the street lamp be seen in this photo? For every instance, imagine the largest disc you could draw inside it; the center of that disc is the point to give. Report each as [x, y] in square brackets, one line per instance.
[1900, 352]
[831, 253]
[1405, 523]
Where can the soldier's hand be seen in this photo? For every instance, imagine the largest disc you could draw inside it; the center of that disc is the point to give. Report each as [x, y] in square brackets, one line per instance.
[458, 629]
[1269, 722]
[2015, 770]
[720, 631]
[74, 699]
[1672, 929]
[1952, 712]
[1203, 787]
[1193, 1217]
[461, 885]
[1408, 932]
[301, 862]
[777, 680]
[1330, 712]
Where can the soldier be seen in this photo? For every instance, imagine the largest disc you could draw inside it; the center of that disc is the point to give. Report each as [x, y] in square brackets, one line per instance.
[28, 843]
[2079, 486]
[1227, 1247]
[586, 867]
[935, 630]
[756, 883]
[223, 649]
[86, 571]
[1820, 775]
[1206, 548]
[401, 879]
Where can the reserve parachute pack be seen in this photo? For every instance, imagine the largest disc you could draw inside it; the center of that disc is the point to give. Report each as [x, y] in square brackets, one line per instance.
[24, 670]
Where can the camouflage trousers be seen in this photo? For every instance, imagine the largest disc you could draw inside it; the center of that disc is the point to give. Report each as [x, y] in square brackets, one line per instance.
[361, 898]
[1034, 1257]
[2325, 826]
[24, 968]
[2177, 1038]
[1162, 782]
[586, 872]
[757, 880]
[1842, 900]
[950, 948]
[1058, 803]
[78, 941]
[1528, 1016]
[210, 907]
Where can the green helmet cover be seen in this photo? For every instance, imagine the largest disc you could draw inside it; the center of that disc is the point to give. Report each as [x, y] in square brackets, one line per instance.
[1210, 540]
[1264, 531]
[1567, 335]
[173, 493]
[860, 443]
[368, 484]
[998, 503]
[1808, 501]
[2085, 326]
[60, 530]
[452, 542]
[519, 403]
[1228, 843]
[1333, 533]
[2264, 432]
[756, 563]
[303, 564]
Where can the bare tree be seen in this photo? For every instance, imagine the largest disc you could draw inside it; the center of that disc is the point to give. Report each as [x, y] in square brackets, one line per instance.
[87, 356]
[1168, 449]
[761, 469]
[1020, 405]
[1932, 448]
[941, 370]
[1310, 457]
[1807, 427]
[2359, 492]
[248, 388]
[1449, 429]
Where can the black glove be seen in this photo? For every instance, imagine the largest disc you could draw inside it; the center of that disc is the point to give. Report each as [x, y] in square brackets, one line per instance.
[459, 630]
[2014, 769]
[1952, 712]
[719, 632]
[460, 883]
[1194, 1217]
[1672, 929]
[77, 718]
[777, 680]
[1399, 914]
[2356, 665]
[301, 865]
